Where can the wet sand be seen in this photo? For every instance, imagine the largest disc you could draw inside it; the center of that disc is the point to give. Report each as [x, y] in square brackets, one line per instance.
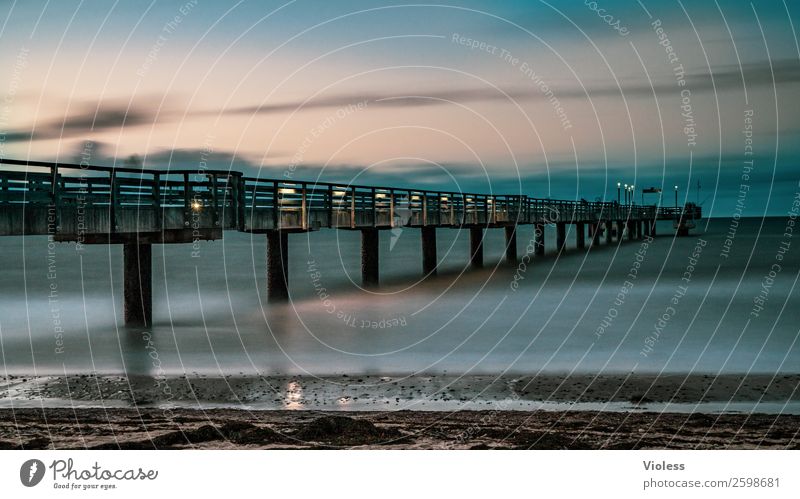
[722, 393]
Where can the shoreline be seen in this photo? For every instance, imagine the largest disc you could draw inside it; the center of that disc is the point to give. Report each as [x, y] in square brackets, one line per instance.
[707, 393]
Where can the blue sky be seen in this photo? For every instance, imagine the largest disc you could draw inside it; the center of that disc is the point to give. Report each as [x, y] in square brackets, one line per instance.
[388, 92]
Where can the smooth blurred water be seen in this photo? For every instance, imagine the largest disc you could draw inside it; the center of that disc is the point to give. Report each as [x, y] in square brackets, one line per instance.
[211, 317]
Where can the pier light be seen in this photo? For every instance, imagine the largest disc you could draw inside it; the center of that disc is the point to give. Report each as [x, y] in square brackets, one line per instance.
[196, 205]
[444, 198]
[380, 195]
[339, 193]
[285, 190]
[489, 201]
[415, 198]
[469, 200]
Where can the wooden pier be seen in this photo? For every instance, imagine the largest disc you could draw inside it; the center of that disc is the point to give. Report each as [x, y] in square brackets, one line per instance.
[140, 207]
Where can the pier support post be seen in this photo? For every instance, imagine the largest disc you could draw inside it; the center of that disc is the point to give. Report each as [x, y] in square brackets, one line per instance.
[609, 230]
[629, 226]
[429, 251]
[138, 291]
[476, 246]
[511, 244]
[594, 233]
[277, 265]
[538, 237]
[561, 236]
[653, 228]
[370, 257]
[580, 235]
[620, 230]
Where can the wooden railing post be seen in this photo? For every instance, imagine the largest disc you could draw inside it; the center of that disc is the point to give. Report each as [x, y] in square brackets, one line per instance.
[424, 209]
[391, 208]
[303, 208]
[353, 208]
[241, 196]
[156, 192]
[214, 198]
[276, 209]
[329, 205]
[187, 200]
[452, 204]
[112, 202]
[374, 209]
[56, 196]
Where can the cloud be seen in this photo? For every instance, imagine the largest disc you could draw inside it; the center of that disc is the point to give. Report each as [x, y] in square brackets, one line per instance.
[114, 115]
[187, 159]
[110, 115]
[422, 98]
[720, 78]
[724, 77]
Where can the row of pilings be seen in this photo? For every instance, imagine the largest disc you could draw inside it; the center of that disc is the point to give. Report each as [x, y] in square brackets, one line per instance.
[138, 302]
[278, 254]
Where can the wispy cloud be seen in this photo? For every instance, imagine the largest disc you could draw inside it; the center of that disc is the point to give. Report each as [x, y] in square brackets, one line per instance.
[114, 115]
[103, 116]
[720, 78]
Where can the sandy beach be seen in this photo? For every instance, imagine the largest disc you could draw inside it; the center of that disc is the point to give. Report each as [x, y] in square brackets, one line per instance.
[67, 428]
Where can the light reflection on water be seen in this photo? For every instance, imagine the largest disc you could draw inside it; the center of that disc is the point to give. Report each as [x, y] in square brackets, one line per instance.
[294, 396]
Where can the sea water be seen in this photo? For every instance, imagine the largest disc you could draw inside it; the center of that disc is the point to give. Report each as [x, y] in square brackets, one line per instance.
[724, 299]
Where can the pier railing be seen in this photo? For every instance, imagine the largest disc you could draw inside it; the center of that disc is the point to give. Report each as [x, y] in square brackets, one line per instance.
[272, 204]
[79, 200]
[72, 200]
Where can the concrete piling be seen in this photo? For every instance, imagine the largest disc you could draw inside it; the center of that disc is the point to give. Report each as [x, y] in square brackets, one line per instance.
[138, 291]
[511, 244]
[429, 259]
[538, 239]
[476, 246]
[561, 236]
[277, 265]
[370, 257]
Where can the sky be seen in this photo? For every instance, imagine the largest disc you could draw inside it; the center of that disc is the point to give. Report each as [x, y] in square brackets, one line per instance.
[560, 99]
